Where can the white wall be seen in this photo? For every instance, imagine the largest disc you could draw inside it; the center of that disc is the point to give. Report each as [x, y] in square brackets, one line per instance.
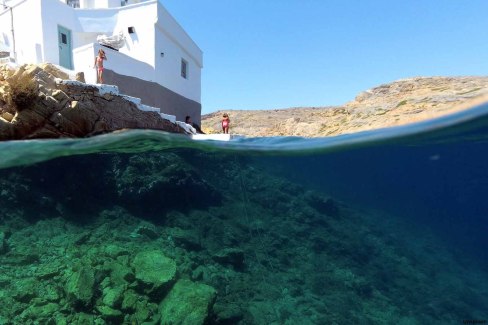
[168, 68]
[175, 43]
[99, 4]
[130, 2]
[96, 21]
[174, 30]
[57, 13]
[120, 63]
[139, 45]
[27, 31]
[156, 32]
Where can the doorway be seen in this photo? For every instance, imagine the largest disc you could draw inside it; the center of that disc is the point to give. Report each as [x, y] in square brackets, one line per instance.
[64, 42]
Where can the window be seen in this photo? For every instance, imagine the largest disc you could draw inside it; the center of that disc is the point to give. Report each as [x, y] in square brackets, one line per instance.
[73, 3]
[184, 69]
[64, 39]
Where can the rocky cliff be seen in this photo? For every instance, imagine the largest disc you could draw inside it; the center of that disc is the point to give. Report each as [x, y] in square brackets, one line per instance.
[397, 103]
[39, 101]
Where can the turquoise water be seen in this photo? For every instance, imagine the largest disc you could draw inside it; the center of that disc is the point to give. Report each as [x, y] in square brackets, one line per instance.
[381, 227]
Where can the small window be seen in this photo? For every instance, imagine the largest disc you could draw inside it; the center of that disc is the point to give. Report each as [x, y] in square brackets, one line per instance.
[73, 3]
[184, 69]
[64, 38]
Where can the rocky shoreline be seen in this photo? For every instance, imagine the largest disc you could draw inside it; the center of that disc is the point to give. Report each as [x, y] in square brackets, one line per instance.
[397, 103]
[39, 102]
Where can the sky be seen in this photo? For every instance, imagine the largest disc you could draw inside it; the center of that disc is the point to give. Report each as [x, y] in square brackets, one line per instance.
[271, 54]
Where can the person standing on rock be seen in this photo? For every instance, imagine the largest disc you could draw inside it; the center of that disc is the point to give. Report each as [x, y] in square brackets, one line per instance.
[225, 123]
[99, 65]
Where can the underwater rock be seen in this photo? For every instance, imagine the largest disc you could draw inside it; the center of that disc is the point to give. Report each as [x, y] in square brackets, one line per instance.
[187, 303]
[153, 271]
[22, 258]
[121, 274]
[83, 319]
[48, 271]
[114, 251]
[129, 302]
[230, 256]
[111, 315]
[145, 231]
[185, 238]
[112, 297]
[153, 183]
[80, 287]
[3, 243]
[39, 312]
[24, 290]
[146, 311]
[82, 238]
[323, 205]
[227, 314]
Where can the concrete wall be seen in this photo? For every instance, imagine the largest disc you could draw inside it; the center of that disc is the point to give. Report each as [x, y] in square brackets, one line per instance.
[153, 94]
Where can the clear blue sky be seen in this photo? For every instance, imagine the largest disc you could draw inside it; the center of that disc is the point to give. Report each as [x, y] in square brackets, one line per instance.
[266, 54]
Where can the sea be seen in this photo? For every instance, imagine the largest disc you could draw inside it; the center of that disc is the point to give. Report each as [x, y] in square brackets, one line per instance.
[386, 226]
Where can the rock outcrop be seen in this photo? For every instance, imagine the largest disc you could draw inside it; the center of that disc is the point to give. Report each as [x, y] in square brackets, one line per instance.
[153, 271]
[397, 103]
[80, 287]
[39, 101]
[187, 303]
[3, 244]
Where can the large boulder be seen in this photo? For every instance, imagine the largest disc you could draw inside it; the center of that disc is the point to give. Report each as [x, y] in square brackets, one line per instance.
[152, 183]
[80, 287]
[187, 303]
[36, 101]
[154, 271]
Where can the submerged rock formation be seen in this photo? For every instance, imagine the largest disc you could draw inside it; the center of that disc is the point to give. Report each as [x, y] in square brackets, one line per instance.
[270, 251]
[38, 101]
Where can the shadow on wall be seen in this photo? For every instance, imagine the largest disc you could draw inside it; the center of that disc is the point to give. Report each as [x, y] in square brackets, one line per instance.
[153, 94]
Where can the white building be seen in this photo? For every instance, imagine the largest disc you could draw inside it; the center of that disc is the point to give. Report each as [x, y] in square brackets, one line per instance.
[157, 61]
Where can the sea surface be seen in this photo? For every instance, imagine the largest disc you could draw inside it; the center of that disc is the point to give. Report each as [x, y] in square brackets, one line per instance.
[142, 227]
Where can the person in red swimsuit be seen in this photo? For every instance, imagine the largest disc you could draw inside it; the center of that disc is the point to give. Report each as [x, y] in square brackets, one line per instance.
[225, 123]
[99, 65]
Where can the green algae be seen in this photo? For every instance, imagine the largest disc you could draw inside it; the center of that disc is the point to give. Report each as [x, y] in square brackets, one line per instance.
[187, 303]
[269, 251]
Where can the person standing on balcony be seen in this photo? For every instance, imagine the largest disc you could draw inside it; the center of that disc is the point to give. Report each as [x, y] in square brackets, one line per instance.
[99, 65]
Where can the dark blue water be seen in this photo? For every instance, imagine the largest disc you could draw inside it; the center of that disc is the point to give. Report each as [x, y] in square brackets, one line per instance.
[382, 227]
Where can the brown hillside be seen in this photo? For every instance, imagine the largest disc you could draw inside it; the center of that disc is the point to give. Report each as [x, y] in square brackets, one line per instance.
[397, 103]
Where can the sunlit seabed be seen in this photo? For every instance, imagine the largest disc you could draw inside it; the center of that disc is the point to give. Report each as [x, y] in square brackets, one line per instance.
[379, 227]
